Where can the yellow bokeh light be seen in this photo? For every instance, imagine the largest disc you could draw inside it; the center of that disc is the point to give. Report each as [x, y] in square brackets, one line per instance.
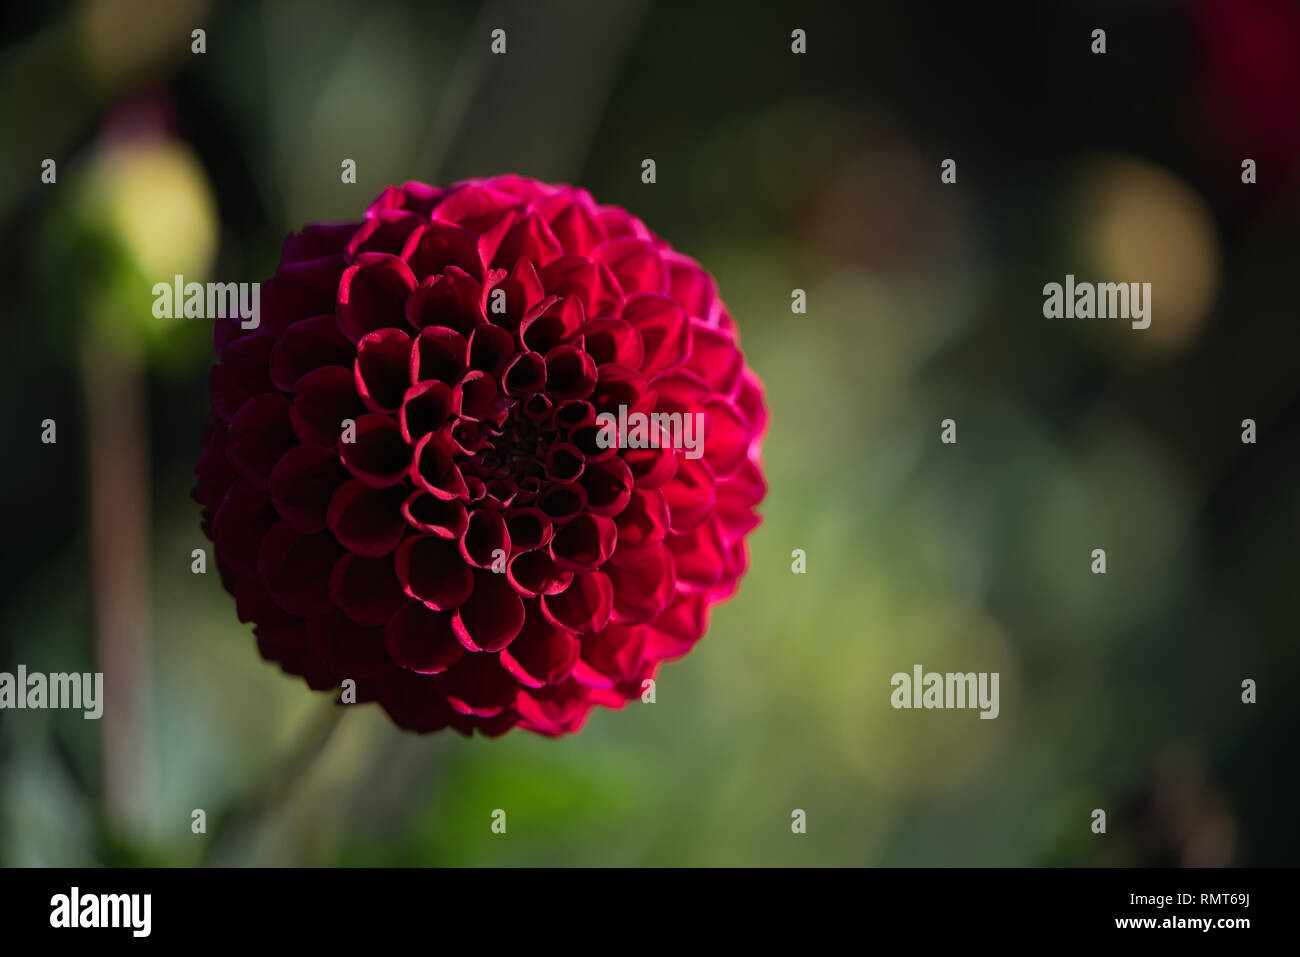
[1141, 223]
[156, 198]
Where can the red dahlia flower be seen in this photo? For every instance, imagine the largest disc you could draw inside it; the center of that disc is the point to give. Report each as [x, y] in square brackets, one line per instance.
[403, 477]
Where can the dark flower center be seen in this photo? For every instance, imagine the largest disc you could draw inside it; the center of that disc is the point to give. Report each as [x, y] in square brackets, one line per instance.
[518, 449]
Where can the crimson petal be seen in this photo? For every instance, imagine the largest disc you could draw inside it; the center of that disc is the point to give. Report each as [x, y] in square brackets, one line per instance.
[381, 369]
[430, 570]
[432, 249]
[306, 345]
[379, 456]
[366, 520]
[372, 294]
[541, 654]
[366, 589]
[421, 640]
[584, 606]
[260, 433]
[585, 543]
[434, 468]
[296, 568]
[302, 483]
[445, 518]
[451, 299]
[492, 615]
[477, 685]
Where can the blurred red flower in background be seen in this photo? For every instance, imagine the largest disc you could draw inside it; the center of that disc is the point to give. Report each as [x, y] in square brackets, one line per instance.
[1249, 83]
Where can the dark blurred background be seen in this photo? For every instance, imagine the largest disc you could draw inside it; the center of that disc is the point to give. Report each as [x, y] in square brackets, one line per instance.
[777, 171]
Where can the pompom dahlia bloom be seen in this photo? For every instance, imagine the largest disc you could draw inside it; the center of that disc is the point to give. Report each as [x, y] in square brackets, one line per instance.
[404, 479]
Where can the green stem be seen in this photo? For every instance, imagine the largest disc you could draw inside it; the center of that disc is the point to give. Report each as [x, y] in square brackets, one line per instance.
[277, 786]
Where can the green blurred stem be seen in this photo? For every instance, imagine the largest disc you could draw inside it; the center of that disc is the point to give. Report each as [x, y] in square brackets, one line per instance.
[276, 785]
[118, 469]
